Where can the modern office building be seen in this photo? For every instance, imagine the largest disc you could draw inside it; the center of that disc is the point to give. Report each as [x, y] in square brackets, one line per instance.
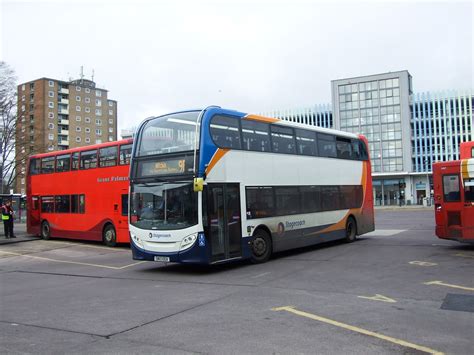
[56, 115]
[407, 132]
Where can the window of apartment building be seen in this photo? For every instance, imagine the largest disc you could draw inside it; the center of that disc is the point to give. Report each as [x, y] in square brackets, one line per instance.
[78, 139]
[23, 108]
[23, 129]
[111, 121]
[88, 130]
[23, 181]
[78, 108]
[51, 148]
[51, 104]
[78, 88]
[23, 119]
[51, 93]
[51, 125]
[111, 139]
[32, 97]
[98, 112]
[98, 102]
[98, 141]
[32, 118]
[23, 98]
[78, 98]
[111, 104]
[98, 93]
[51, 137]
[111, 130]
[51, 83]
[111, 112]
[88, 90]
[87, 100]
[87, 109]
[98, 122]
[98, 132]
[88, 120]
[88, 140]
[78, 129]
[78, 119]
[32, 86]
[51, 114]
[23, 87]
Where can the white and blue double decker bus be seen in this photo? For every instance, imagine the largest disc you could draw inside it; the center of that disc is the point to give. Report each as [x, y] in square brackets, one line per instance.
[216, 185]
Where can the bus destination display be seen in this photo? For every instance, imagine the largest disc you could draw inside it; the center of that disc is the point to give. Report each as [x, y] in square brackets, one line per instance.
[164, 167]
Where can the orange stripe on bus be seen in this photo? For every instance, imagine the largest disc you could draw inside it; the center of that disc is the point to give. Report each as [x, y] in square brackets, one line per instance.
[215, 158]
[261, 118]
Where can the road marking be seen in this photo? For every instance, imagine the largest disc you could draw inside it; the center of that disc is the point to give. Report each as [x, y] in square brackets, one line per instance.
[72, 262]
[401, 342]
[260, 275]
[422, 263]
[378, 297]
[441, 283]
[385, 232]
[464, 255]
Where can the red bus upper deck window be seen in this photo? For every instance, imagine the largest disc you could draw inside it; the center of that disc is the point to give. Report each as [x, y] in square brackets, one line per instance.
[89, 159]
[108, 156]
[63, 163]
[47, 165]
[125, 154]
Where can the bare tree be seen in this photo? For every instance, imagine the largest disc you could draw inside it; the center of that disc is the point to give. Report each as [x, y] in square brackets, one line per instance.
[8, 110]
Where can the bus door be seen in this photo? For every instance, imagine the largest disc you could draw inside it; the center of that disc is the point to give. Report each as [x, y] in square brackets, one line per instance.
[121, 214]
[34, 220]
[453, 205]
[223, 220]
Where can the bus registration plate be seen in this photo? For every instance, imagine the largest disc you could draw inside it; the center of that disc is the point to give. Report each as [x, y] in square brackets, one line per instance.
[162, 258]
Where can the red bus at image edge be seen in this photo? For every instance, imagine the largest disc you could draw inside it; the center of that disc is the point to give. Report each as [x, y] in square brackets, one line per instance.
[80, 193]
[454, 196]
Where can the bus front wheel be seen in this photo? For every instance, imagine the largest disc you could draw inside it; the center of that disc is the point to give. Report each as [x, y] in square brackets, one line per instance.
[351, 230]
[261, 247]
[109, 236]
[45, 230]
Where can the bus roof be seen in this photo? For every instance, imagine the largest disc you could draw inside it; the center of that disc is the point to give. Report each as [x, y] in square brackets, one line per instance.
[80, 149]
[266, 119]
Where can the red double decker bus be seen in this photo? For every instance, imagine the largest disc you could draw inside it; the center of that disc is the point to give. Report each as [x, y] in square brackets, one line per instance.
[454, 196]
[80, 193]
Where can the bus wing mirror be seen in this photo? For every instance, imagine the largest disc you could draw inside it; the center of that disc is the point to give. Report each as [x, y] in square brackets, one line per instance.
[198, 184]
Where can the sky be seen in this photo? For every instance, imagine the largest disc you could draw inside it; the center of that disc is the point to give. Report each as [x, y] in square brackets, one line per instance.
[156, 57]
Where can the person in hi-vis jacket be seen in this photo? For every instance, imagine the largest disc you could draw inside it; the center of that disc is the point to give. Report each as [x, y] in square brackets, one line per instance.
[7, 218]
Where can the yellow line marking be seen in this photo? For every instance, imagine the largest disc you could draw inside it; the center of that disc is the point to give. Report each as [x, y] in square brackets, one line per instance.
[422, 263]
[464, 255]
[72, 262]
[441, 283]
[404, 343]
[378, 297]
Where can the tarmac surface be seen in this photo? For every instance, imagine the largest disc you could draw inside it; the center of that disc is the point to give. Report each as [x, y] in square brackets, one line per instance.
[398, 290]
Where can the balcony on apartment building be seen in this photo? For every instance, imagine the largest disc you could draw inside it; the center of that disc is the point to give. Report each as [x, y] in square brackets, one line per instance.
[64, 90]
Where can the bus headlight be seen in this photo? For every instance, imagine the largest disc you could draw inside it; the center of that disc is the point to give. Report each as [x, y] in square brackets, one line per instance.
[188, 241]
[137, 240]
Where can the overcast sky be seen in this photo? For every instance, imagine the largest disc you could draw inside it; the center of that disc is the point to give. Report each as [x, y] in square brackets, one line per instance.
[156, 57]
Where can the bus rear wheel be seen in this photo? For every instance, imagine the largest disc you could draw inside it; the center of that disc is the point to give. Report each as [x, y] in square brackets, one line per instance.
[45, 230]
[109, 236]
[351, 230]
[261, 247]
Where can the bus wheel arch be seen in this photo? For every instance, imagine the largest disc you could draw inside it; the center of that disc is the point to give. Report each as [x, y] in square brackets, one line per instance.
[351, 229]
[45, 231]
[109, 235]
[262, 245]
